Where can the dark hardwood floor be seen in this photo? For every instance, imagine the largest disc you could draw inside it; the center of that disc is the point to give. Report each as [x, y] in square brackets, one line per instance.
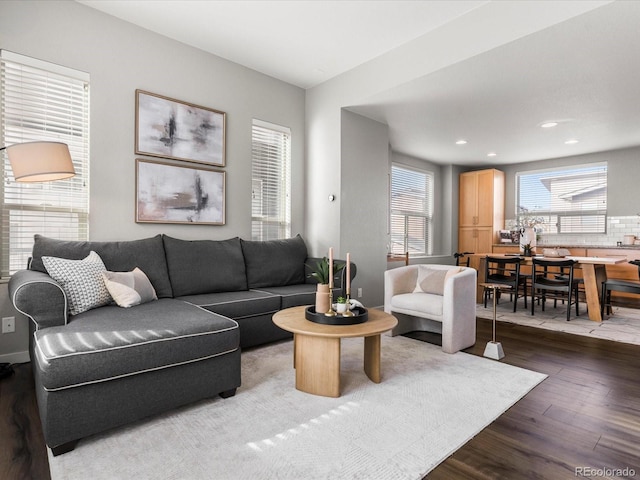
[23, 453]
[586, 414]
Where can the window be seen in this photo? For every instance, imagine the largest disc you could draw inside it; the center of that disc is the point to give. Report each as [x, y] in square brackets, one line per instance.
[411, 211]
[569, 200]
[270, 181]
[42, 101]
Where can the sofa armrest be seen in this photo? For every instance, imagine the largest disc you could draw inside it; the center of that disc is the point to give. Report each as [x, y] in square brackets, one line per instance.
[398, 281]
[39, 297]
[459, 311]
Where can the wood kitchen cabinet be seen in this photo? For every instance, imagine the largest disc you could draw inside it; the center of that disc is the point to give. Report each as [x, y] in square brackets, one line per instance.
[475, 239]
[481, 209]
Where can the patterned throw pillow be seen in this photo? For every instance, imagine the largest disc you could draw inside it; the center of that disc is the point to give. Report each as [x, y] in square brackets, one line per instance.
[129, 288]
[81, 281]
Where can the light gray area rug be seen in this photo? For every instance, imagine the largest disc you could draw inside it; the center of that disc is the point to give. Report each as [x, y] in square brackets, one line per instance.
[622, 326]
[428, 405]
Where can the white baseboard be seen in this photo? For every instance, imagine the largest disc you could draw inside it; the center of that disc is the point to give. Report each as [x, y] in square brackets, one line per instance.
[15, 357]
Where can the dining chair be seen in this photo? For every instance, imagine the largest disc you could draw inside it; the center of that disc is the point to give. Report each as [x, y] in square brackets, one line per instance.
[505, 271]
[546, 283]
[459, 255]
[610, 285]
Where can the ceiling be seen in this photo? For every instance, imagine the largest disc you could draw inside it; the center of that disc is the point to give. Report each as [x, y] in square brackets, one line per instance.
[581, 73]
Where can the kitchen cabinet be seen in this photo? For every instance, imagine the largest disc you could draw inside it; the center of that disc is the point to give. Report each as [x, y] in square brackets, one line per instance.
[481, 209]
[475, 239]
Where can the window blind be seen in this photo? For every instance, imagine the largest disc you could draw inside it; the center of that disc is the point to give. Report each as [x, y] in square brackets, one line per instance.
[567, 200]
[42, 101]
[411, 211]
[270, 181]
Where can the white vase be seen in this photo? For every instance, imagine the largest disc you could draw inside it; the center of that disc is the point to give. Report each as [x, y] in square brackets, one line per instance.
[527, 236]
[341, 307]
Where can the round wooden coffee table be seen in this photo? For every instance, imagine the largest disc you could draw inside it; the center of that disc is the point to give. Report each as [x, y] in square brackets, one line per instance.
[316, 348]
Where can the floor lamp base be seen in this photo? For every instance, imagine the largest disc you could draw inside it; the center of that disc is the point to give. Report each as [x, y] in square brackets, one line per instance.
[494, 350]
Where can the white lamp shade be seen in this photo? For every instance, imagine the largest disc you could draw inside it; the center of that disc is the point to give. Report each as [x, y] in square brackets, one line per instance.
[40, 161]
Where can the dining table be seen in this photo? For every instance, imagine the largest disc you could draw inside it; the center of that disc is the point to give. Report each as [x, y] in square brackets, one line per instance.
[593, 273]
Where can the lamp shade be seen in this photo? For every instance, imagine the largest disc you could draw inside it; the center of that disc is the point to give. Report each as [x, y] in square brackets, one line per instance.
[40, 161]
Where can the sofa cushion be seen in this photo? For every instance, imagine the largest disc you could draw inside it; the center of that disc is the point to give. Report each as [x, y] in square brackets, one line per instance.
[237, 305]
[129, 289]
[81, 281]
[111, 342]
[146, 254]
[427, 305]
[293, 295]
[205, 266]
[275, 263]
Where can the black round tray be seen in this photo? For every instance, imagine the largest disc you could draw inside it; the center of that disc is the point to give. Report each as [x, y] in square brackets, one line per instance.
[360, 315]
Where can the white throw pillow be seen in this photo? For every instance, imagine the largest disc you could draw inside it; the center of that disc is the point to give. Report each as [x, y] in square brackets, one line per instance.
[432, 280]
[129, 288]
[81, 281]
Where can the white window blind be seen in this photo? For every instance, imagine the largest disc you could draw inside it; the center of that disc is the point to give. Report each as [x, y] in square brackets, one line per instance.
[270, 181]
[42, 101]
[411, 211]
[567, 200]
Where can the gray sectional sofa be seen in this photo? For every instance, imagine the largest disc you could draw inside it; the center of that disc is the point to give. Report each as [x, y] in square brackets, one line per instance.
[110, 366]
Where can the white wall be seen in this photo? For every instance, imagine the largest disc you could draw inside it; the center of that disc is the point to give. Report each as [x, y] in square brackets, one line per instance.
[120, 58]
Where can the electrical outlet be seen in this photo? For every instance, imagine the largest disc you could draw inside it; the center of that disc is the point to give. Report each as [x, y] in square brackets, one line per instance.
[360, 292]
[8, 324]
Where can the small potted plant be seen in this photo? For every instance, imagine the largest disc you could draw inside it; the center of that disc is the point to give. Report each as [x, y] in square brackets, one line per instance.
[527, 250]
[341, 305]
[320, 271]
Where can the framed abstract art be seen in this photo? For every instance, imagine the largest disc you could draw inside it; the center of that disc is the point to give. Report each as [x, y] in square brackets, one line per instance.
[172, 193]
[170, 128]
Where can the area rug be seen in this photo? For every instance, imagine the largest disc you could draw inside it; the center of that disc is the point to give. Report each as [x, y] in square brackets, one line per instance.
[623, 325]
[428, 405]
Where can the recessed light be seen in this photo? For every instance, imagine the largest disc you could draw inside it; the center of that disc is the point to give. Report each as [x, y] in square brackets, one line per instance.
[491, 154]
[571, 141]
[549, 124]
[461, 142]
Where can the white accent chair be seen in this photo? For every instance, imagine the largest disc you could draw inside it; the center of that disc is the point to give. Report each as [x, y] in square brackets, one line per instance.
[453, 314]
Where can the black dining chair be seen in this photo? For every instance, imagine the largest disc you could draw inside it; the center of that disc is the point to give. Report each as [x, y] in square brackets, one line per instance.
[505, 271]
[546, 283]
[460, 255]
[611, 285]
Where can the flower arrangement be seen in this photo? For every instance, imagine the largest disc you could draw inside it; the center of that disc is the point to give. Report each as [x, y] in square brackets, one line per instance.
[530, 222]
[525, 220]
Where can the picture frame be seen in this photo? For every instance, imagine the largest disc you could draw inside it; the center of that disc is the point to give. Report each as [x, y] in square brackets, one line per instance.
[179, 193]
[170, 128]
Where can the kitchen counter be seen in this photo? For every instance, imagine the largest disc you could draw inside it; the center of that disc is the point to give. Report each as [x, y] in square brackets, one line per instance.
[540, 246]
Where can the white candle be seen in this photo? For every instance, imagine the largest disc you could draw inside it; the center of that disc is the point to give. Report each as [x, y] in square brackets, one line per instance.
[348, 290]
[330, 267]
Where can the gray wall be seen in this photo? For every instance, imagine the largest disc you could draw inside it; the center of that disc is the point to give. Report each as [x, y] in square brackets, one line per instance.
[623, 172]
[363, 219]
[120, 58]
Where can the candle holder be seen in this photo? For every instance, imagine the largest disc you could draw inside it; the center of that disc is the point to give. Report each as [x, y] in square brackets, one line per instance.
[331, 312]
[348, 312]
